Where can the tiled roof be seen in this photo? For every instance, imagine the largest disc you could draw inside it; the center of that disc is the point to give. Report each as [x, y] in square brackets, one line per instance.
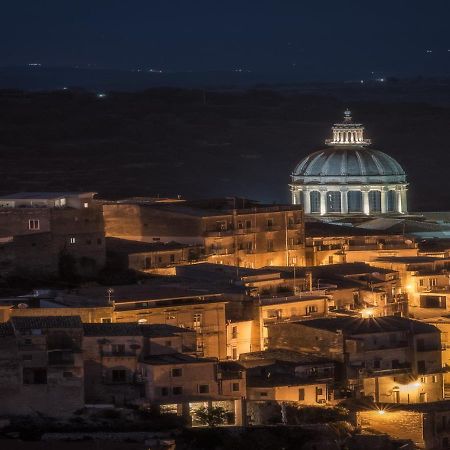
[36, 322]
[352, 325]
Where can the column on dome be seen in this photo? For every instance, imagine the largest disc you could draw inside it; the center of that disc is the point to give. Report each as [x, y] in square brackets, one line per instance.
[399, 201]
[344, 202]
[404, 206]
[323, 202]
[307, 201]
[383, 201]
[365, 196]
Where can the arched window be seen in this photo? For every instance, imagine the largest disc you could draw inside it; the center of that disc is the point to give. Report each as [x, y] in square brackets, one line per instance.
[391, 201]
[314, 198]
[334, 202]
[354, 201]
[374, 201]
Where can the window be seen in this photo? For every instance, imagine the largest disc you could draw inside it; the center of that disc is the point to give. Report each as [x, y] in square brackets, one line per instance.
[421, 282]
[270, 245]
[434, 379]
[319, 391]
[177, 372]
[354, 201]
[248, 224]
[164, 391]
[249, 246]
[235, 387]
[376, 364]
[311, 309]
[301, 394]
[118, 349]
[105, 320]
[88, 241]
[234, 332]
[168, 343]
[334, 202]
[86, 205]
[72, 240]
[391, 201]
[263, 394]
[197, 319]
[234, 353]
[374, 201]
[33, 224]
[422, 397]
[34, 376]
[177, 390]
[269, 223]
[118, 375]
[203, 388]
[423, 380]
[314, 197]
[172, 258]
[421, 367]
[99, 241]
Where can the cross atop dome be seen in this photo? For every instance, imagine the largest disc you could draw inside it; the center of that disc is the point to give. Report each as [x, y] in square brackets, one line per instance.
[348, 133]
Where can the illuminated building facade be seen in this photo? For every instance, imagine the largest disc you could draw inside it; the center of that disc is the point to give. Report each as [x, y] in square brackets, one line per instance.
[348, 178]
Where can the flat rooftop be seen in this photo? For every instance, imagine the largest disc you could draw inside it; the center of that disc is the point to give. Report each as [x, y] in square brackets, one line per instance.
[175, 358]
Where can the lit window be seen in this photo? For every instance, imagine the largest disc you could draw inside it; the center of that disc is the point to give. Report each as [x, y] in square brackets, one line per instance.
[72, 240]
[33, 224]
[86, 205]
[333, 201]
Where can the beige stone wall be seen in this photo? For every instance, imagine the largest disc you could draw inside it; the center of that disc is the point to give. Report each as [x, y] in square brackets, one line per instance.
[211, 333]
[193, 375]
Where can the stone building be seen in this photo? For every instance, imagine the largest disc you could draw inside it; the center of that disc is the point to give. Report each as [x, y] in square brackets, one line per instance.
[426, 279]
[230, 231]
[349, 178]
[40, 231]
[326, 243]
[112, 352]
[41, 366]
[387, 359]
[426, 425]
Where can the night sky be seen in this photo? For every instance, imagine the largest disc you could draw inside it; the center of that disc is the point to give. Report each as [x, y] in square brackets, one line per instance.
[320, 39]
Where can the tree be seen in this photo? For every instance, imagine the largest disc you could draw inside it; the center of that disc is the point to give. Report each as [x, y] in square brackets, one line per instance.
[213, 416]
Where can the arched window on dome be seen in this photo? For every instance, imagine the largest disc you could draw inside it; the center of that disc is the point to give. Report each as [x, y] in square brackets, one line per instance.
[333, 202]
[354, 201]
[391, 199]
[374, 201]
[314, 197]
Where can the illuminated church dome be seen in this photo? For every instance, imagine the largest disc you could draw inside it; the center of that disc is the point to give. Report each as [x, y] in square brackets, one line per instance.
[348, 177]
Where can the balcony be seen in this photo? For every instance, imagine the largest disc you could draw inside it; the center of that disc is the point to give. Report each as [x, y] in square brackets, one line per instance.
[218, 233]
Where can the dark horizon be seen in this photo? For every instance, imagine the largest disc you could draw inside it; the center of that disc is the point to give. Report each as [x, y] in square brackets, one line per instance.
[324, 40]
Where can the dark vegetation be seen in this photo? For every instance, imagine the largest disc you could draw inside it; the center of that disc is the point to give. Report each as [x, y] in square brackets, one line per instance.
[202, 144]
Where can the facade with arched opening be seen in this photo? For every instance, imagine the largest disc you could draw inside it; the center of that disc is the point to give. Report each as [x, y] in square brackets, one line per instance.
[349, 178]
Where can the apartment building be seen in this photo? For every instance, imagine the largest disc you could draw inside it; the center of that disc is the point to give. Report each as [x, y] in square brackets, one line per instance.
[229, 231]
[387, 359]
[45, 233]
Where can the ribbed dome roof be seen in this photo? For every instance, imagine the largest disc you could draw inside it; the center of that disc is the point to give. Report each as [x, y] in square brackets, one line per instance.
[352, 161]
